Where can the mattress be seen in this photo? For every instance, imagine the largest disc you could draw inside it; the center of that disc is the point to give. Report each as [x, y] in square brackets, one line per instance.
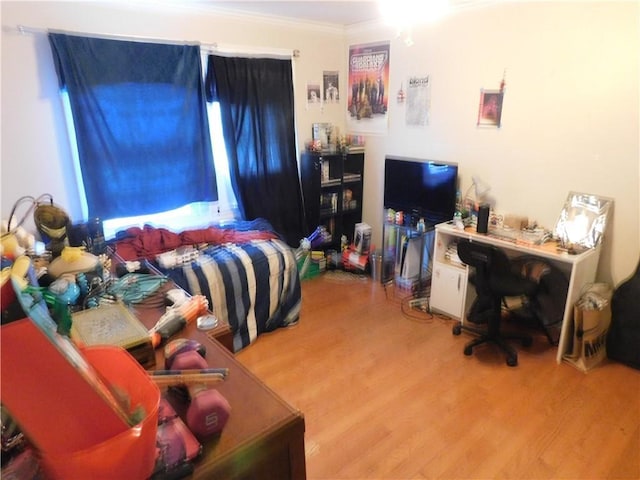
[254, 286]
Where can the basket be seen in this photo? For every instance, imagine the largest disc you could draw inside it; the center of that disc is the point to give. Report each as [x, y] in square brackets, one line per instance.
[131, 454]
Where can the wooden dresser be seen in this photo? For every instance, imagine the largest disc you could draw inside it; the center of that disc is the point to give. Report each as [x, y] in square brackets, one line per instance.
[264, 437]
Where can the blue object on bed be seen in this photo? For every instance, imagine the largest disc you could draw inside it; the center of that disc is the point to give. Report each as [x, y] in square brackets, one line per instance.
[254, 286]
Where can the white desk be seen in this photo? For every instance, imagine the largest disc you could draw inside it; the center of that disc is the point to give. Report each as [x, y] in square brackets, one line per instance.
[449, 280]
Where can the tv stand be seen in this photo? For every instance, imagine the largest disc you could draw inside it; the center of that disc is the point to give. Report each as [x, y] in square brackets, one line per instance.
[406, 255]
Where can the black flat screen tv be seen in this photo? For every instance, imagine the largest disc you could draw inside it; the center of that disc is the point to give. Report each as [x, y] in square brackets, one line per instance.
[421, 188]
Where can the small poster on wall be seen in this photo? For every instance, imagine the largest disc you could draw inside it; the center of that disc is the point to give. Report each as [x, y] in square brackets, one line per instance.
[313, 94]
[418, 100]
[490, 109]
[368, 99]
[330, 83]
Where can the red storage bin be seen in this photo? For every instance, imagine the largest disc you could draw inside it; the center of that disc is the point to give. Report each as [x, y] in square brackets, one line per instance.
[75, 430]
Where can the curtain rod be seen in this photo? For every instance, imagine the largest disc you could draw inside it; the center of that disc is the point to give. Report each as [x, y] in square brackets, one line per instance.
[207, 47]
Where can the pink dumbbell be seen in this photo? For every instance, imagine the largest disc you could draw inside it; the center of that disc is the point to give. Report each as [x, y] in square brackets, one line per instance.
[208, 410]
[181, 345]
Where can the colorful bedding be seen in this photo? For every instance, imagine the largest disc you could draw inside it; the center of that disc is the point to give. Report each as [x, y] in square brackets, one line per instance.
[252, 283]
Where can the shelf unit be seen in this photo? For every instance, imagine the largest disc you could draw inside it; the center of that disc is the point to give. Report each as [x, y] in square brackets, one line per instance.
[332, 191]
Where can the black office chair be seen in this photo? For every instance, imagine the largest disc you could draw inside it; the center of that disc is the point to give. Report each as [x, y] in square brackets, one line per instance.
[494, 279]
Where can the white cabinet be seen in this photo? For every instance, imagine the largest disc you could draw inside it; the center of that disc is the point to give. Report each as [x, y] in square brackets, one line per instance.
[448, 289]
[448, 279]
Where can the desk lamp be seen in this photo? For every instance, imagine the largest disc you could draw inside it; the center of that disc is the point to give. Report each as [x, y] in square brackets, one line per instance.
[480, 189]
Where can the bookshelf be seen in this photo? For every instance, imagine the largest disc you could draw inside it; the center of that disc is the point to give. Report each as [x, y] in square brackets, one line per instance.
[332, 191]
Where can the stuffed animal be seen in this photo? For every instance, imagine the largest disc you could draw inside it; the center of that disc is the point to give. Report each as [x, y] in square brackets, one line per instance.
[15, 242]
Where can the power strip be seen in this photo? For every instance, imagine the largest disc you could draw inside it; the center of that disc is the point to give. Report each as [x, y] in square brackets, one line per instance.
[420, 304]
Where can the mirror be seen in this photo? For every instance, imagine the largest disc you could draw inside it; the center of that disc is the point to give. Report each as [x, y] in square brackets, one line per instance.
[582, 221]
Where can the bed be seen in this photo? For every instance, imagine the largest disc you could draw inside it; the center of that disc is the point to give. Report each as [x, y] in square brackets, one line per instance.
[247, 272]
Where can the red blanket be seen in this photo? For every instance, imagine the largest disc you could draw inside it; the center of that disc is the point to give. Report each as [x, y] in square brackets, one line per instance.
[149, 241]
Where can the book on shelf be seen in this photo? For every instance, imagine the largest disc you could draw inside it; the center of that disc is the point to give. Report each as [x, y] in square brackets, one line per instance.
[331, 182]
[356, 148]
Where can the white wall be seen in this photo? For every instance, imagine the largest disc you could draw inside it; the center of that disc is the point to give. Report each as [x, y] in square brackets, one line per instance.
[570, 118]
[35, 149]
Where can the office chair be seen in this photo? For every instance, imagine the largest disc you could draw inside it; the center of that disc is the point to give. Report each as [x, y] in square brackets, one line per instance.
[494, 280]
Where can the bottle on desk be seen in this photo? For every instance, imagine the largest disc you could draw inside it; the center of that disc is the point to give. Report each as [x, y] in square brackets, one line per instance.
[457, 216]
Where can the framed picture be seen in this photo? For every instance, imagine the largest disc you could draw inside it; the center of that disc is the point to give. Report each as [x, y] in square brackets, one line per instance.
[322, 132]
[490, 108]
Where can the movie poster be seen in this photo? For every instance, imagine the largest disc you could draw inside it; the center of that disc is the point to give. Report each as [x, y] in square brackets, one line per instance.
[368, 95]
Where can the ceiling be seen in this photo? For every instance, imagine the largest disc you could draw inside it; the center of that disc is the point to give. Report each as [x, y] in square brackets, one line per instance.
[336, 12]
[344, 13]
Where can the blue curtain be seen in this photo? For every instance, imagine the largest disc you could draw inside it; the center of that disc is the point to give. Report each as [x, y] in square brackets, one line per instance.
[141, 123]
[256, 105]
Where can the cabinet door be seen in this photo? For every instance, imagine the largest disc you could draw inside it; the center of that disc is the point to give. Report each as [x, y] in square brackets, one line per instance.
[448, 289]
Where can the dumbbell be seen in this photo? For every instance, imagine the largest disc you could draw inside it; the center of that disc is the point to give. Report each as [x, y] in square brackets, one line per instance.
[208, 410]
[182, 345]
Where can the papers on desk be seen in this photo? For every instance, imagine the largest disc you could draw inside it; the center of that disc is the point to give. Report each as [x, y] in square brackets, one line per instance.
[533, 236]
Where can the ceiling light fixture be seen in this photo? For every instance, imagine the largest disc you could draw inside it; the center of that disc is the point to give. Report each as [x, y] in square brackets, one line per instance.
[404, 13]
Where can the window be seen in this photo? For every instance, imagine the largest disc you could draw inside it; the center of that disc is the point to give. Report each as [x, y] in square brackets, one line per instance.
[194, 215]
[141, 130]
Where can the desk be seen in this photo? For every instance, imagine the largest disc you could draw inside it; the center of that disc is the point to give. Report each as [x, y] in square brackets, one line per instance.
[264, 436]
[449, 292]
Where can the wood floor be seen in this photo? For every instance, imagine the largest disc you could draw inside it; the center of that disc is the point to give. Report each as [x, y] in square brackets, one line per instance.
[388, 394]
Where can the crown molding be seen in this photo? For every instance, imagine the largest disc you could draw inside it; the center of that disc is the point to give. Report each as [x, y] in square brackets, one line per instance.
[202, 8]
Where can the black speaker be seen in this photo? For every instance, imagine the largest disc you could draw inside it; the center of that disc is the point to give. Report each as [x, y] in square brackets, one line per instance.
[483, 218]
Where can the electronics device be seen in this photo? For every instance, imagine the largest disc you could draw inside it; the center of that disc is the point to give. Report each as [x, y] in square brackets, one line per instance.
[420, 188]
[483, 218]
[410, 262]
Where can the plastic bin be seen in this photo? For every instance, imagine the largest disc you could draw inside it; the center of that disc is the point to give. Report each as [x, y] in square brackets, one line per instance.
[132, 453]
[76, 431]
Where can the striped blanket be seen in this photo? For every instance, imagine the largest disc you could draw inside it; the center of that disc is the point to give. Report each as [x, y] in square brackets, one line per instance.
[253, 286]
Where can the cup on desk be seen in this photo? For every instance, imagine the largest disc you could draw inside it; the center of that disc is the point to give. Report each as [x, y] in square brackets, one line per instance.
[496, 220]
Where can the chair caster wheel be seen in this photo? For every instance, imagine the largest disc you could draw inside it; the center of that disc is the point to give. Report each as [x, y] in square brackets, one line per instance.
[457, 330]
[512, 361]
[527, 342]
[468, 351]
